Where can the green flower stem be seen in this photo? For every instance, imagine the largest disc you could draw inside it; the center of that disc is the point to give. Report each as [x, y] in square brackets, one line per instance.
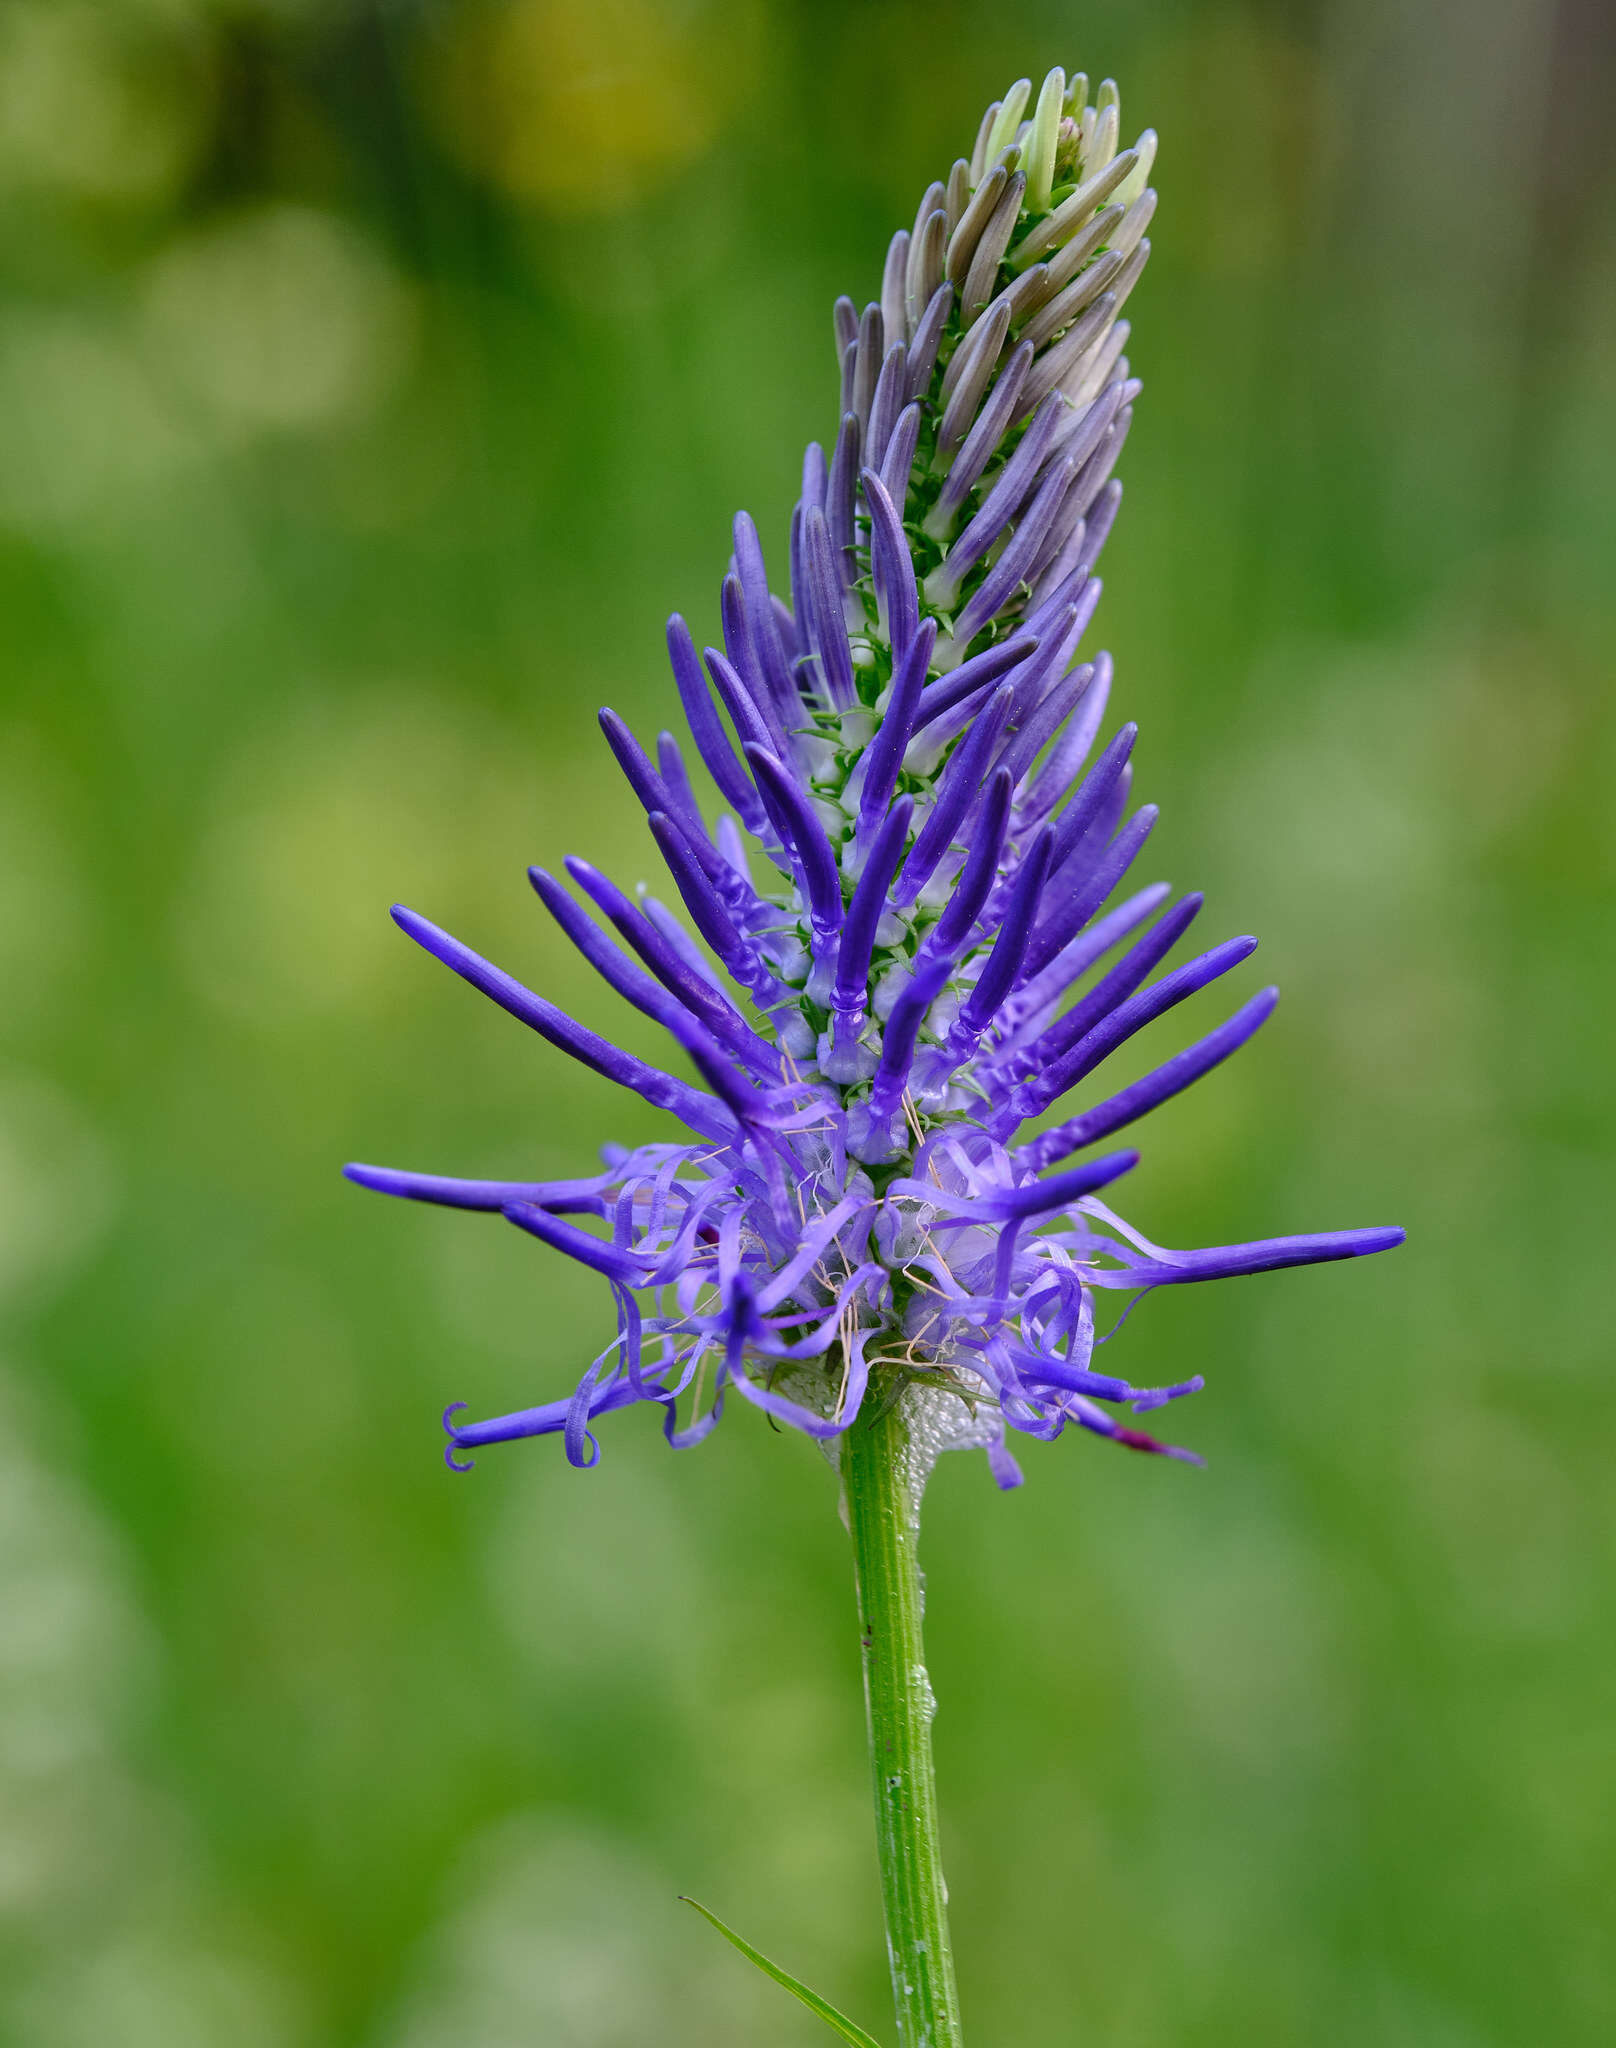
[883, 1516]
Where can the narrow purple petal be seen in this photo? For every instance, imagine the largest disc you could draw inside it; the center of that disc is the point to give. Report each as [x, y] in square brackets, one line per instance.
[898, 462]
[799, 826]
[627, 1268]
[827, 627]
[548, 1420]
[666, 1090]
[1091, 849]
[741, 650]
[1035, 1000]
[1055, 778]
[872, 342]
[1050, 715]
[961, 781]
[635, 763]
[1007, 1474]
[1029, 1198]
[707, 910]
[869, 901]
[655, 795]
[1134, 1015]
[1048, 691]
[814, 477]
[839, 501]
[1012, 567]
[1096, 472]
[1168, 1080]
[1119, 984]
[684, 944]
[706, 729]
[973, 676]
[1041, 1197]
[948, 936]
[886, 751]
[893, 273]
[902, 1029]
[994, 982]
[791, 643]
[1264, 1255]
[1056, 1372]
[966, 377]
[1000, 506]
[650, 996]
[979, 445]
[750, 725]
[1087, 428]
[923, 346]
[885, 406]
[1074, 910]
[676, 781]
[560, 1197]
[844, 320]
[1132, 1439]
[1102, 519]
[744, 1102]
[674, 973]
[1101, 779]
[893, 568]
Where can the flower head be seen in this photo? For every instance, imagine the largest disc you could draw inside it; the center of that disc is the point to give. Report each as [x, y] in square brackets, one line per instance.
[914, 744]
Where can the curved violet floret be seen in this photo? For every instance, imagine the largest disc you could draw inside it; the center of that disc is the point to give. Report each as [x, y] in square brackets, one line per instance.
[909, 744]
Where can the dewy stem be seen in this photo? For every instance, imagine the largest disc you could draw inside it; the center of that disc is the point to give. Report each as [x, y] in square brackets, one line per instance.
[883, 1516]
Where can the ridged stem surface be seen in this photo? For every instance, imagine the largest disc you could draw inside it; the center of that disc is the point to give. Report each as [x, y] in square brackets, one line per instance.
[883, 1516]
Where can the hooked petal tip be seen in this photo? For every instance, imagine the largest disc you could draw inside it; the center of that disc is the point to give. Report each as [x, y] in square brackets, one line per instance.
[449, 1457]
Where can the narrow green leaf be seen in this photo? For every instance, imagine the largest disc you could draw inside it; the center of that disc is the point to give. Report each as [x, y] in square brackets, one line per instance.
[811, 1999]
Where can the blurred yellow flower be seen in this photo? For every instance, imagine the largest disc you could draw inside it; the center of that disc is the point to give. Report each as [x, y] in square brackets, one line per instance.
[578, 109]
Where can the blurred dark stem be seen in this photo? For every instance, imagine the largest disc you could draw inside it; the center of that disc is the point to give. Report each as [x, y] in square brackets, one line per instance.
[1570, 213]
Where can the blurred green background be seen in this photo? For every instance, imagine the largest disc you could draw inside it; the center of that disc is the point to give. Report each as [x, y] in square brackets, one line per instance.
[373, 381]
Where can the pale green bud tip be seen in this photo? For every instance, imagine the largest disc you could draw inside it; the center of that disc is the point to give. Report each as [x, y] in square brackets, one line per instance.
[1144, 151]
[1041, 141]
[1008, 118]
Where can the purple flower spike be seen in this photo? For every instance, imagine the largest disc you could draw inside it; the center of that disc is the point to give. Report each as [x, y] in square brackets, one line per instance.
[849, 1201]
